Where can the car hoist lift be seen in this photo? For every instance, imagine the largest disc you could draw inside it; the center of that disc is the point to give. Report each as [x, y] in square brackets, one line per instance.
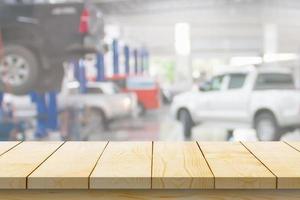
[46, 103]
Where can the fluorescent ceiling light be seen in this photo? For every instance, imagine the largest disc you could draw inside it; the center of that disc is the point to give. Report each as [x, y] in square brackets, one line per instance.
[182, 39]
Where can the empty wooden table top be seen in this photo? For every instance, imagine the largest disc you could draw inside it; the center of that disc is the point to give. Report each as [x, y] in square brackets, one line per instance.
[149, 165]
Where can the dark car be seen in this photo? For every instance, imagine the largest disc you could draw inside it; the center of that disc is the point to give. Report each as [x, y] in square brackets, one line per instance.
[38, 37]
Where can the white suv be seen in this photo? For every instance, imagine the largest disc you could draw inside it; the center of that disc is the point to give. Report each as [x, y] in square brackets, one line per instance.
[251, 97]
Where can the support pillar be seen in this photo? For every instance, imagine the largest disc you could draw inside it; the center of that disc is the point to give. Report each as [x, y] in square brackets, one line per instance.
[115, 47]
[42, 114]
[135, 55]
[100, 67]
[52, 111]
[127, 60]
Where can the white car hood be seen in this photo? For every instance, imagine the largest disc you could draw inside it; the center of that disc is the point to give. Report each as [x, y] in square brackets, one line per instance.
[184, 96]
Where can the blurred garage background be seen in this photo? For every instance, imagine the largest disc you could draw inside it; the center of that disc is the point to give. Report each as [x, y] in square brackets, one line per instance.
[149, 70]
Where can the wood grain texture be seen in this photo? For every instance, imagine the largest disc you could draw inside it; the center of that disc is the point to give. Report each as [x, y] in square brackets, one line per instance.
[150, 194]
[124, 165]
[234, 167]
[281, 159]
[5, 146]
[180, 165]
[68, 168]
[19, 162]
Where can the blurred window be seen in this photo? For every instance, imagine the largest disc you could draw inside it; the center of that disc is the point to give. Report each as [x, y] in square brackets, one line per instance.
[90, 90]
[236, 81]
[94, 90]
[116, 89]
[216, 83]
[274, 81]
[74, 90]
[120, 83]
[143, 83]
[109, 88]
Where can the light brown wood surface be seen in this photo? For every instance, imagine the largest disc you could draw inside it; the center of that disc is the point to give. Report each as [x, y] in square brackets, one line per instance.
[68, 168]
[124, 165]
[281, 159]
[5, 146]
[180, 165]
[150, 195]
[235, 167]
[19, 162]
[147, 165]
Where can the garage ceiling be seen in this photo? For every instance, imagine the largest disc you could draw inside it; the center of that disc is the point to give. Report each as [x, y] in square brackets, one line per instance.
[218, 27]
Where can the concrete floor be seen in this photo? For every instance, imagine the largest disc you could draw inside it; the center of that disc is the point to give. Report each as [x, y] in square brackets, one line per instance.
[159, 126]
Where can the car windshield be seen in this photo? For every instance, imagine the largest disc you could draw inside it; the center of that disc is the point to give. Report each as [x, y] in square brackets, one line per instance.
[140, 83]
[94, 90]
[120, 84]
[236, 81]
[274, 81]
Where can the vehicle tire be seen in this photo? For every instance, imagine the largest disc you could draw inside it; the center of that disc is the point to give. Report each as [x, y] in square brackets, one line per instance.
[187, 123]
[266, 127]
[141, 111]
[229, 135]
[93, 122]
[51, 80]
[19, 70]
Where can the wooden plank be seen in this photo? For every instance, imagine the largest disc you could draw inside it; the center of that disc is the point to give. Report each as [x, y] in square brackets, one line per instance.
[68, 168]
[149, 194]
[281, 159]
[19, 162]
[180, 165]
[234, 167]
[124, 165]
[5, 146]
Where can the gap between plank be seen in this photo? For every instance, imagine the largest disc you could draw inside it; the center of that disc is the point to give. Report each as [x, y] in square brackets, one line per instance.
[43, 163]
[261, 163]
[207, 164]
[290, 145]
[89, 177]
[10, 148]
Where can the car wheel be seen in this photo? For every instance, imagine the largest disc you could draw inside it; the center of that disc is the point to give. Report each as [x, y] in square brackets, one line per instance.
[19, 70]
[187, 123]
[266, 127]
[51, 80]
[92, 122]
[229, 135]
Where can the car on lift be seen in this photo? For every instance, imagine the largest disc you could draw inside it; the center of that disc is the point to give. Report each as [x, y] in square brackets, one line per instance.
[39, 36]
[263, 98]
